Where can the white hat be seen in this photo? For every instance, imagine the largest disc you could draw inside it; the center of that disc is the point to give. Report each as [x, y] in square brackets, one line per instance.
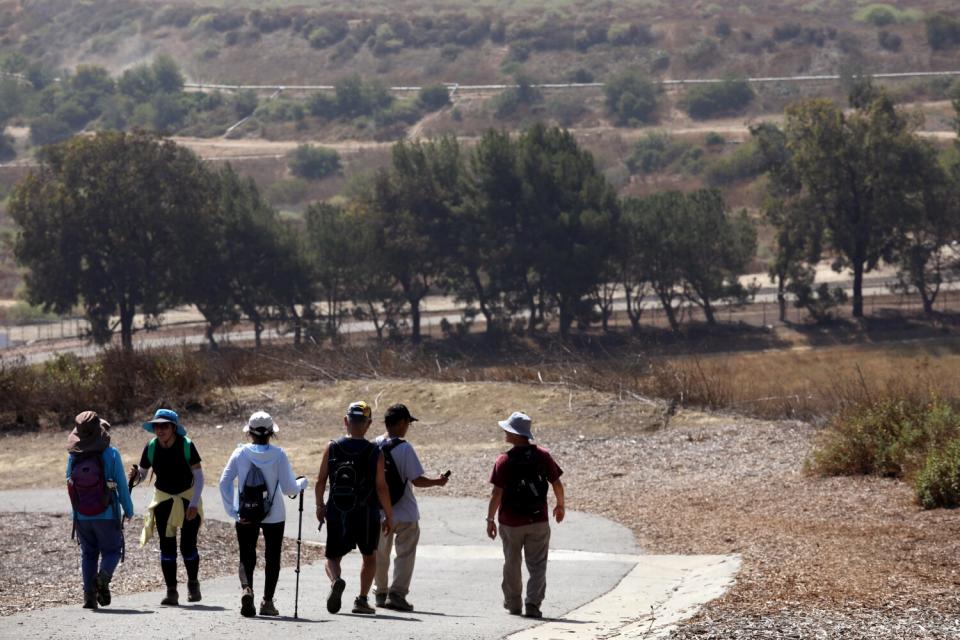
[518, 423]
[261, 423]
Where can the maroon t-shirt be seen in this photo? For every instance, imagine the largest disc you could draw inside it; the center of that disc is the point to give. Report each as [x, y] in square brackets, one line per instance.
[505, 475]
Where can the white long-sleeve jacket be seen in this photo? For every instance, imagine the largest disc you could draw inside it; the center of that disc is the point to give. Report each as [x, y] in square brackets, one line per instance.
[276, 470]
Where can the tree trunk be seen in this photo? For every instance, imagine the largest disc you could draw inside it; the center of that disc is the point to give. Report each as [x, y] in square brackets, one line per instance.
[782, 298]
[633, 313]
[211, 329]
[482, 299]
[415, 319]
[708, 312]
[566, 319]
[668, 309]
[858, 289]
[126, 325]
[297, 329]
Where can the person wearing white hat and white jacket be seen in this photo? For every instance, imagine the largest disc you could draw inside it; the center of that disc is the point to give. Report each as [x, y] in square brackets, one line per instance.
[276, 477]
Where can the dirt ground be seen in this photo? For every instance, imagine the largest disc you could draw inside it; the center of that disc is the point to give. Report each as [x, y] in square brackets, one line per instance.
[837, 557]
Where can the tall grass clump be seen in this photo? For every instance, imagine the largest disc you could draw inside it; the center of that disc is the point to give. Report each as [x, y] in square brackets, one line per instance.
[909, 440]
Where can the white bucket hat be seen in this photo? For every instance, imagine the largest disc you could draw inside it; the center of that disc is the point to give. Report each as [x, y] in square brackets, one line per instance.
[261, 423]
[518, 423]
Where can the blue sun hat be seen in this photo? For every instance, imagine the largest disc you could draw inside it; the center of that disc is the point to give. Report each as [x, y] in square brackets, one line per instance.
[165, 415]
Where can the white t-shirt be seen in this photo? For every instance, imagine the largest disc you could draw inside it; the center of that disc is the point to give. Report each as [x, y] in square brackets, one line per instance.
[408, 464]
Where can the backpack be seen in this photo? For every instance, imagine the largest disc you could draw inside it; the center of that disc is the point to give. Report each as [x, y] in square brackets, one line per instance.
[395, 483]
[255, 498]
[526, 491]
[351, 476]
[87, 485]
[152, 449]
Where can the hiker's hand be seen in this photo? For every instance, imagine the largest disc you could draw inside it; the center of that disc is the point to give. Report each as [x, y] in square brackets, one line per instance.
[443, 480]
[191, 513]
[243, 521]
[387, 525]
[491, 529]
[321, 511]
[559, 512]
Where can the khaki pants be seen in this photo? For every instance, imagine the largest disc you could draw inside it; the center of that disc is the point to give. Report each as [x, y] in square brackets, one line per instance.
[533, 540]
[405, 535]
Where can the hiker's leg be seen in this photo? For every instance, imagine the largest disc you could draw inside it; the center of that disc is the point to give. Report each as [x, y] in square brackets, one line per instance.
[536, 545]
[367, 570]
[168, 546]
[408, 535]
[383, 563]
[512, 585]
[247, 535]
[332, 566]
[273, 545]
[188, 545]
[110, 537]
[89, 553]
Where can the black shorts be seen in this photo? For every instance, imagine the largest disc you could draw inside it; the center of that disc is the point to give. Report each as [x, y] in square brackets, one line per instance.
[355, 529]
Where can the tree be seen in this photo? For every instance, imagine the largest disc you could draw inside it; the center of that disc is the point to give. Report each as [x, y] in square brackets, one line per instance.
[855, 172]
[166, 75]
[334, 267]
[434, 96]
[110, 221]
[313, 163]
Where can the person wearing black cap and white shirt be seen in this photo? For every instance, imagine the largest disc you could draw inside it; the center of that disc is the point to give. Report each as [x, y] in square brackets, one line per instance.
[519, 504]
[400, 454]
[354, 468]
[278, 478]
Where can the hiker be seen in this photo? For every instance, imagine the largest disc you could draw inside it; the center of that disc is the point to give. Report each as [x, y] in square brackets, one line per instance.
[176, 500]
[97, 491]
[264, 474]
[354, 467]
[402, 469]
[519, 502]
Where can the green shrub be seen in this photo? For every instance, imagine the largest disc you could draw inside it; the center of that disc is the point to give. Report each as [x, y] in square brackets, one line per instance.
[943, 31]
[723, 98]
[889, 41]
[884, 15]
[245, 103]
[290, 191]
[48, 129]
[313, 163]
[630, 97]
[744, 163]
[655, 152]
[434, 96]
[714, 139]
[938, 483]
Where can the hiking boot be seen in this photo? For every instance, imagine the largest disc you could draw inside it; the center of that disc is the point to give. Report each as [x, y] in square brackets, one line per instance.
[267, 608]
[336, 591]
[532, 611]
[172, 599]
[360, 605]
[103, 589]
[89, 599]
[513, 609]
[398, 603]
[193, 591]
[381, 599]
[247, 610]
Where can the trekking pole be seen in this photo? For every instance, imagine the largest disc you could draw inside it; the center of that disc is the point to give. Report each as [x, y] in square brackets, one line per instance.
[296, 594]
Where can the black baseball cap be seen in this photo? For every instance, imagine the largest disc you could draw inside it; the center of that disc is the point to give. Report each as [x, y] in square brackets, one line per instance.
[397, 413]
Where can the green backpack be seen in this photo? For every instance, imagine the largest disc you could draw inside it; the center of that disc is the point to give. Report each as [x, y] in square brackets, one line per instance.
[152, 448]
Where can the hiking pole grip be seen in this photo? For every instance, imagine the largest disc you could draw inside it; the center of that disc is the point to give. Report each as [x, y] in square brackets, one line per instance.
[296, 597]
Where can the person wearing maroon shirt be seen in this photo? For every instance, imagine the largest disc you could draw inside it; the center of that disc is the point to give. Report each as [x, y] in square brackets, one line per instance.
[519, 502]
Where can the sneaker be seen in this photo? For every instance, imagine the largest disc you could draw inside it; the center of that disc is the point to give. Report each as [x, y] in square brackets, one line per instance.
[89, 599]
[193, 591]
[103, 589]
[267, 608]
[381, 599]
[336, 591]
[514, 610]
[360, 605]
[532, 611]
[172, 599]
[247, 610]
[398, 603]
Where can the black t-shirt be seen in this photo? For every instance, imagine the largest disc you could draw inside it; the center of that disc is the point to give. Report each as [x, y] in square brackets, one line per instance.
[173, 472]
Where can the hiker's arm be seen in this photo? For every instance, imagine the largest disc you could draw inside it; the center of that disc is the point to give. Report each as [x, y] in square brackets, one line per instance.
[289, 483]
[197, 492]
[496, 497]
[226, 486]
[558, 511]
[123, 491]
[424, 481]
[322, 483]
[383, 492]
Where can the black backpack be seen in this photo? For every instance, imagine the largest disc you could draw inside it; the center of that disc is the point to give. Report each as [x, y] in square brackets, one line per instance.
[395, 483]
[351, 476]
[526, 490]
[255, 498]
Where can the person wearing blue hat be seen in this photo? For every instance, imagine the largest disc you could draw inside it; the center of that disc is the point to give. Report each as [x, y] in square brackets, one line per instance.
[176, 500]
[518, 503]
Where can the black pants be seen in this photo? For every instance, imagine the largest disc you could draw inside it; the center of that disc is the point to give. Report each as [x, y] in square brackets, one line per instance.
[247, 535]
[168, 546]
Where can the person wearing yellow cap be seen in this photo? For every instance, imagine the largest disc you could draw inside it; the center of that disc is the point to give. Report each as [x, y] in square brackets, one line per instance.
[354, 468]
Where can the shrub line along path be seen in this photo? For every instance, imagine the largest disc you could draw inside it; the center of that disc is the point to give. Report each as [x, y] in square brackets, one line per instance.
[599, 586]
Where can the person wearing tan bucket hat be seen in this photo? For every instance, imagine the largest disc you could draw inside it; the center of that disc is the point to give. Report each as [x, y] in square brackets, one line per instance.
[518, 503]
[262, 473]
[176, 500]
[97, 492]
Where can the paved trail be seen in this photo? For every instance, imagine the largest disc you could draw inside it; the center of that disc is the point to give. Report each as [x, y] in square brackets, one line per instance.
[599, 586]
